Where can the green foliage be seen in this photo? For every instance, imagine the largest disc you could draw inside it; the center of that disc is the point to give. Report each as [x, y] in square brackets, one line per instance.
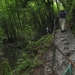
[26, 73]
[25, 63]
[32, 46]
[22, 19]
[36, 62]
[41, 40]
[71, 16]
[29, 33]
[17, 15]
[55, 7]
[43, 51]
[30, 60]
[60, 6]
[44, 40]
[1, 34]
[5, 68]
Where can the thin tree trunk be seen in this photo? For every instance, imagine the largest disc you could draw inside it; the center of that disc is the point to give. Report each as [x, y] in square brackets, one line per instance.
[57, 6]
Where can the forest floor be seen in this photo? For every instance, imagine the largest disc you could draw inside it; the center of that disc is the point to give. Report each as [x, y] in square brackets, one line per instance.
[66, 43]
[46, 58]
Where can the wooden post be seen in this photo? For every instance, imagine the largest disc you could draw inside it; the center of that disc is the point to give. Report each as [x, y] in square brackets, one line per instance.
[65, 56]
[54, 51]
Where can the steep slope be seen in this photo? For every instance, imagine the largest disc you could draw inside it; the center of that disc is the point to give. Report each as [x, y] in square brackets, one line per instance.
[66, 43]
[46, 57]
[41, 63]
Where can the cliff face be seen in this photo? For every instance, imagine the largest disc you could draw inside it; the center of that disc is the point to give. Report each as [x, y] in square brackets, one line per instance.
[66, 43]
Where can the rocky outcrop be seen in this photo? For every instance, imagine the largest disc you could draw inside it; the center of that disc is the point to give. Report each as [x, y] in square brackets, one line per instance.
[66, 43]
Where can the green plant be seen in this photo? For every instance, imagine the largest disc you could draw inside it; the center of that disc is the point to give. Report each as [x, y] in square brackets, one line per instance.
[42, 51]
[36, 62]
[5, 68]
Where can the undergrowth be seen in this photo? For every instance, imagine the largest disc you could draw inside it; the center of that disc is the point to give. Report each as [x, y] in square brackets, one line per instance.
[30, 58]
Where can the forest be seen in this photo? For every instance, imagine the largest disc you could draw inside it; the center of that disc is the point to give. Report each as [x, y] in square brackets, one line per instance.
[23, 37]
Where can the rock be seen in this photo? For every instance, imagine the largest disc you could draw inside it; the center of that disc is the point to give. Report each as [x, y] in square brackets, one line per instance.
[66, 43]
